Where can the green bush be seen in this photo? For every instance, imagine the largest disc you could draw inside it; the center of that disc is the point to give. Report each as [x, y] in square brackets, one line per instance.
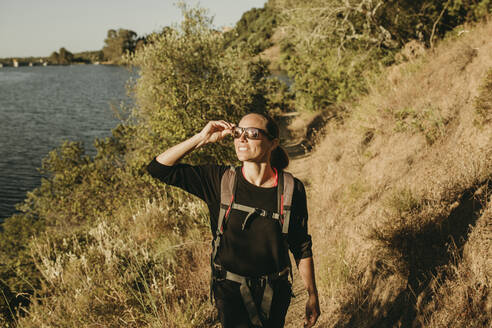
[333, 45]
[428, 121]
[253, 30]
[187, 79]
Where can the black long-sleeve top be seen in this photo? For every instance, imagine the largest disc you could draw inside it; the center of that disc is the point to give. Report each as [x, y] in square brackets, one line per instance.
[258, 249]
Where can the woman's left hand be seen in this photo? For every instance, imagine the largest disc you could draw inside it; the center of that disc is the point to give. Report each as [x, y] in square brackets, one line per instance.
[312, 311]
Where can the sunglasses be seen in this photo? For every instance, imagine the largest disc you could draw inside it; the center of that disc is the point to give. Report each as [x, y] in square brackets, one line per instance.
[250, 133]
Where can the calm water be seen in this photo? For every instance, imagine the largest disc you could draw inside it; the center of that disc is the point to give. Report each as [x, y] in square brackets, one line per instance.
[42, 106]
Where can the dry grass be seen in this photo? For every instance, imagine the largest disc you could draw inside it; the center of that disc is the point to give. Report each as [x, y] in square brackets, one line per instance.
[146, 267]
[397, 184]
[464, 299]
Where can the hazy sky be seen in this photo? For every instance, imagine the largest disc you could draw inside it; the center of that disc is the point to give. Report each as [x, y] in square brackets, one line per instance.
[37, 28]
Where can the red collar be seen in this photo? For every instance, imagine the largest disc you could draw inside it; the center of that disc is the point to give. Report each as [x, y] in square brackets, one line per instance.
[276, 175]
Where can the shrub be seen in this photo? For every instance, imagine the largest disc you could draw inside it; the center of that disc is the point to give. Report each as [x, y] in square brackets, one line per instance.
[429, 122]
[253, 30]
[333, 46]
[188, 79]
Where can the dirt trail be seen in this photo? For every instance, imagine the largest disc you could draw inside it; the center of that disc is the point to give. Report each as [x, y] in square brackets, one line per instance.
[296, 313]
[299, 155]
[295, 316]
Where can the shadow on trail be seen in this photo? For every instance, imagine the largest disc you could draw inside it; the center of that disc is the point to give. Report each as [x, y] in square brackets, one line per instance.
[297, 150]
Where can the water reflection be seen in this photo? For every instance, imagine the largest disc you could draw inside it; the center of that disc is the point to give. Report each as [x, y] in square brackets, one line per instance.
[42, 106]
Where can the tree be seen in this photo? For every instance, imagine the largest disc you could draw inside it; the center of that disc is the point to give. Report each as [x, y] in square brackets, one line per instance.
[54, 58]
[117, 43]
[62, 57]
[65, 56]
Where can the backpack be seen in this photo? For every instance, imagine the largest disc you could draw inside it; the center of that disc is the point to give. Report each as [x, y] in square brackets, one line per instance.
[285, 189]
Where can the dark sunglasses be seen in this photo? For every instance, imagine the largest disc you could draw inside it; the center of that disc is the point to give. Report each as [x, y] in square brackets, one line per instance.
[251, 133]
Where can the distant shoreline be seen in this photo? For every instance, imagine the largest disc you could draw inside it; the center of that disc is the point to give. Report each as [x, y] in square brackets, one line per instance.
[37, 64]
[84, 57]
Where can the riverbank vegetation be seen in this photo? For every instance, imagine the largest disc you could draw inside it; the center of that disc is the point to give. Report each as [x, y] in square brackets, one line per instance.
[399, 181]
[60, 57]
[117, 44]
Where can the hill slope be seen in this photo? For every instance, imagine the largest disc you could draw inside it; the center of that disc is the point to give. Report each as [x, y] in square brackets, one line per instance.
[400, 195]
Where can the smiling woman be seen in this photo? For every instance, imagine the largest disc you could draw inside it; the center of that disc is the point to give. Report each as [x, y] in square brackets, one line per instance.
[258, 213]
[257, 144]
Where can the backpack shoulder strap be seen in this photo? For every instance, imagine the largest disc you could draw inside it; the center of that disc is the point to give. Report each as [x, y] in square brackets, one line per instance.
[284, 201]
[227, 187]
[285, 192]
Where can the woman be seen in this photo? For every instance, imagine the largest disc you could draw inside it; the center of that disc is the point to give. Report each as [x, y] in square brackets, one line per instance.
[249, 263]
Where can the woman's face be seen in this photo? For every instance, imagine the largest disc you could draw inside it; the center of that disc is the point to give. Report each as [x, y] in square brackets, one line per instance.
[254, 150]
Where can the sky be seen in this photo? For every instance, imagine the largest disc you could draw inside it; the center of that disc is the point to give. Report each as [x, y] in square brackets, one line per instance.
[37, 28]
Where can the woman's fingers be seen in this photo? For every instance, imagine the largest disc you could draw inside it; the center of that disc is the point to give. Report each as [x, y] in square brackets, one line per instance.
[221, 124]
[214, 126]
[225, 125]
[224, 122]
[216, 130]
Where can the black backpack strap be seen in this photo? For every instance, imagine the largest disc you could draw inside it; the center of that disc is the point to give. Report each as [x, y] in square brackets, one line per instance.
[248, 300]
[266, 301]
[256, 314]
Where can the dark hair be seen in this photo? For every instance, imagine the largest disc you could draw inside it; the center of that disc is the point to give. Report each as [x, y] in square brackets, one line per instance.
[279, 158]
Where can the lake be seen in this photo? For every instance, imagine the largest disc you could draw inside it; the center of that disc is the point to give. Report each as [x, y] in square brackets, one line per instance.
[40, 107]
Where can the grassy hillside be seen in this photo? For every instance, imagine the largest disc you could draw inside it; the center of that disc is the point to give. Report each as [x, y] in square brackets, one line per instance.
[330, 47]
[400, 194]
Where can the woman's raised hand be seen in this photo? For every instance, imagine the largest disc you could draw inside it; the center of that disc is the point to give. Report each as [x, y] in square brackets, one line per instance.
[215, 131]
[212, 132]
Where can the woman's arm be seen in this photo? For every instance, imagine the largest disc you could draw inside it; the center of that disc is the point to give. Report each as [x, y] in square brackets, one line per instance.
[300, 245]
[212, 132]
[306, 270]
